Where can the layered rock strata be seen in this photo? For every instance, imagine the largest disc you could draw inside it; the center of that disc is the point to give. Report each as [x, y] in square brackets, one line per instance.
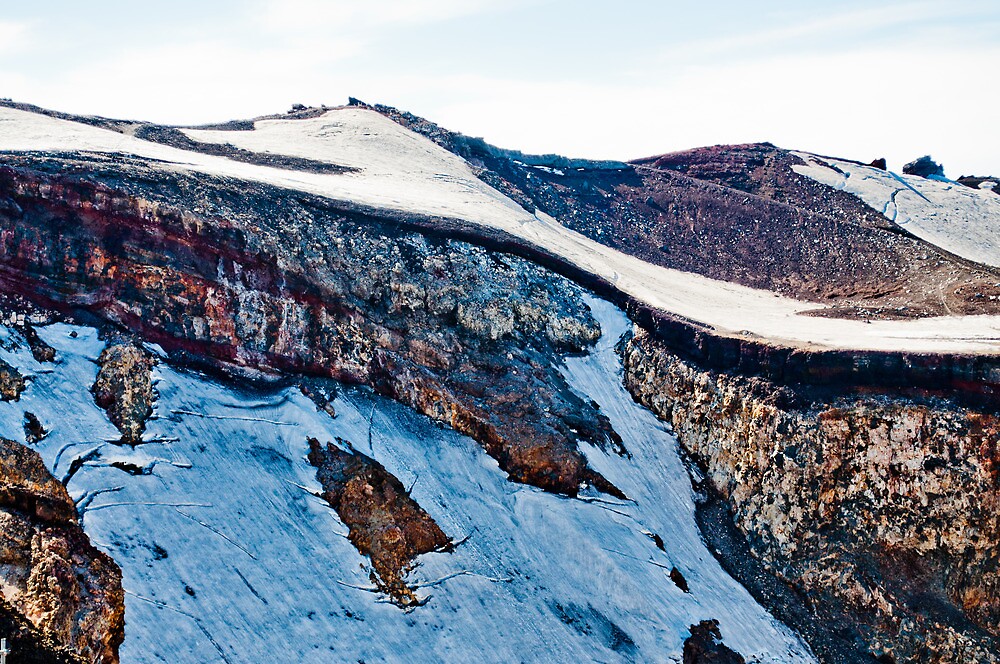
[254, 278]
[885, 508]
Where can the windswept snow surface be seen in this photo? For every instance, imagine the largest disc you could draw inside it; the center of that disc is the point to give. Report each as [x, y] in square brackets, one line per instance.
[957, 218]
[403, 171]
[227, 556]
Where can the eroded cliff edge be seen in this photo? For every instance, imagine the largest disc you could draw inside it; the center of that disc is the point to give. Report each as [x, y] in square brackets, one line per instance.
[258, 279]
[882, 507]
[254, 278]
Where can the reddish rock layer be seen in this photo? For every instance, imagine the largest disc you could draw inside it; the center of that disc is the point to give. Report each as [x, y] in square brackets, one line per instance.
[456, 332]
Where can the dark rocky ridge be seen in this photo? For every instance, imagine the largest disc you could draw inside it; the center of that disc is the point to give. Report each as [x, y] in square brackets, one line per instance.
[274, 282]
[710, 210]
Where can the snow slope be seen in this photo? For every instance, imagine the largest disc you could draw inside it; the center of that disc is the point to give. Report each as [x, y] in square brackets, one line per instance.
[401, 170]
[957, 218]
[227, 557]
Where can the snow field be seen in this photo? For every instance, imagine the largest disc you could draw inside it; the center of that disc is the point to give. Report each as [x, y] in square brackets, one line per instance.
[226, 554]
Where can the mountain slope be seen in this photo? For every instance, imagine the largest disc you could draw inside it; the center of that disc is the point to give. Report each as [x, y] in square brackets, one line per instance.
[305, 278]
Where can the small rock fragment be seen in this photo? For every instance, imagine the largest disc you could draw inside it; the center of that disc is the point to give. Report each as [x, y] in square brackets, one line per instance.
[33, 429]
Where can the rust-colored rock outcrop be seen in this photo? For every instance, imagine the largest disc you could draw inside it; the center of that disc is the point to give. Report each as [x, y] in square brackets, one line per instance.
[887, 508]
[52, 575]
[385, 523]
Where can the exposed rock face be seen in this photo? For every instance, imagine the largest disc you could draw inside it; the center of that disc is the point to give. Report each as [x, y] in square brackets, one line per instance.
[385, 523]
[887, 508]
[705, 646]
[50, 572]
[270, 282]
[27, 644]
[124, 388]
[924, 167]
[11, 382]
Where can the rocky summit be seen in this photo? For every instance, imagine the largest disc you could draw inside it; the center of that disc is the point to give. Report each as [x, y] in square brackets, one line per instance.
[348, 386]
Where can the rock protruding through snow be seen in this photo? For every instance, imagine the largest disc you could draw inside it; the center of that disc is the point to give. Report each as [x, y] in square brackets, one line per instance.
[385, 523]
[124, 388]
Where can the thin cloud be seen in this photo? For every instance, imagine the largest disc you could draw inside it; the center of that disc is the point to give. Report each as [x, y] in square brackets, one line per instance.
[314, 15]
[14, 37]
[838, 29]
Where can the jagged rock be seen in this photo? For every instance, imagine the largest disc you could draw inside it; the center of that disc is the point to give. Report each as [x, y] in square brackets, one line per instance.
[462, 334]
[41, 351]
[27, 644]
[385, 523]
[886, 508]
[11, 382]
[705, 646]
[51, 573]
[124, 388]
[924, 167]
[33, 429]
[879, 164]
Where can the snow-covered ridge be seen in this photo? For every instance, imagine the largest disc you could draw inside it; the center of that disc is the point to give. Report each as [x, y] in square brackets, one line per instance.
[403, 171]
[959, 219]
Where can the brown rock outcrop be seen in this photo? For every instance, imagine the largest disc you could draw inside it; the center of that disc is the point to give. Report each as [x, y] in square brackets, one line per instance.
[886, 508]
[124, 388]
[11, 382]
[385, 523]
[51, 573]
[27, 644]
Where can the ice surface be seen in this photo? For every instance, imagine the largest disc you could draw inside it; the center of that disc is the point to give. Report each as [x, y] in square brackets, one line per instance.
[227, 557]
[959, 219]
[401, 170]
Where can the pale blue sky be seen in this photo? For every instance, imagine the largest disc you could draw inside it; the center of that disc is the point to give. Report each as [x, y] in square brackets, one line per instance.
[598, 79]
